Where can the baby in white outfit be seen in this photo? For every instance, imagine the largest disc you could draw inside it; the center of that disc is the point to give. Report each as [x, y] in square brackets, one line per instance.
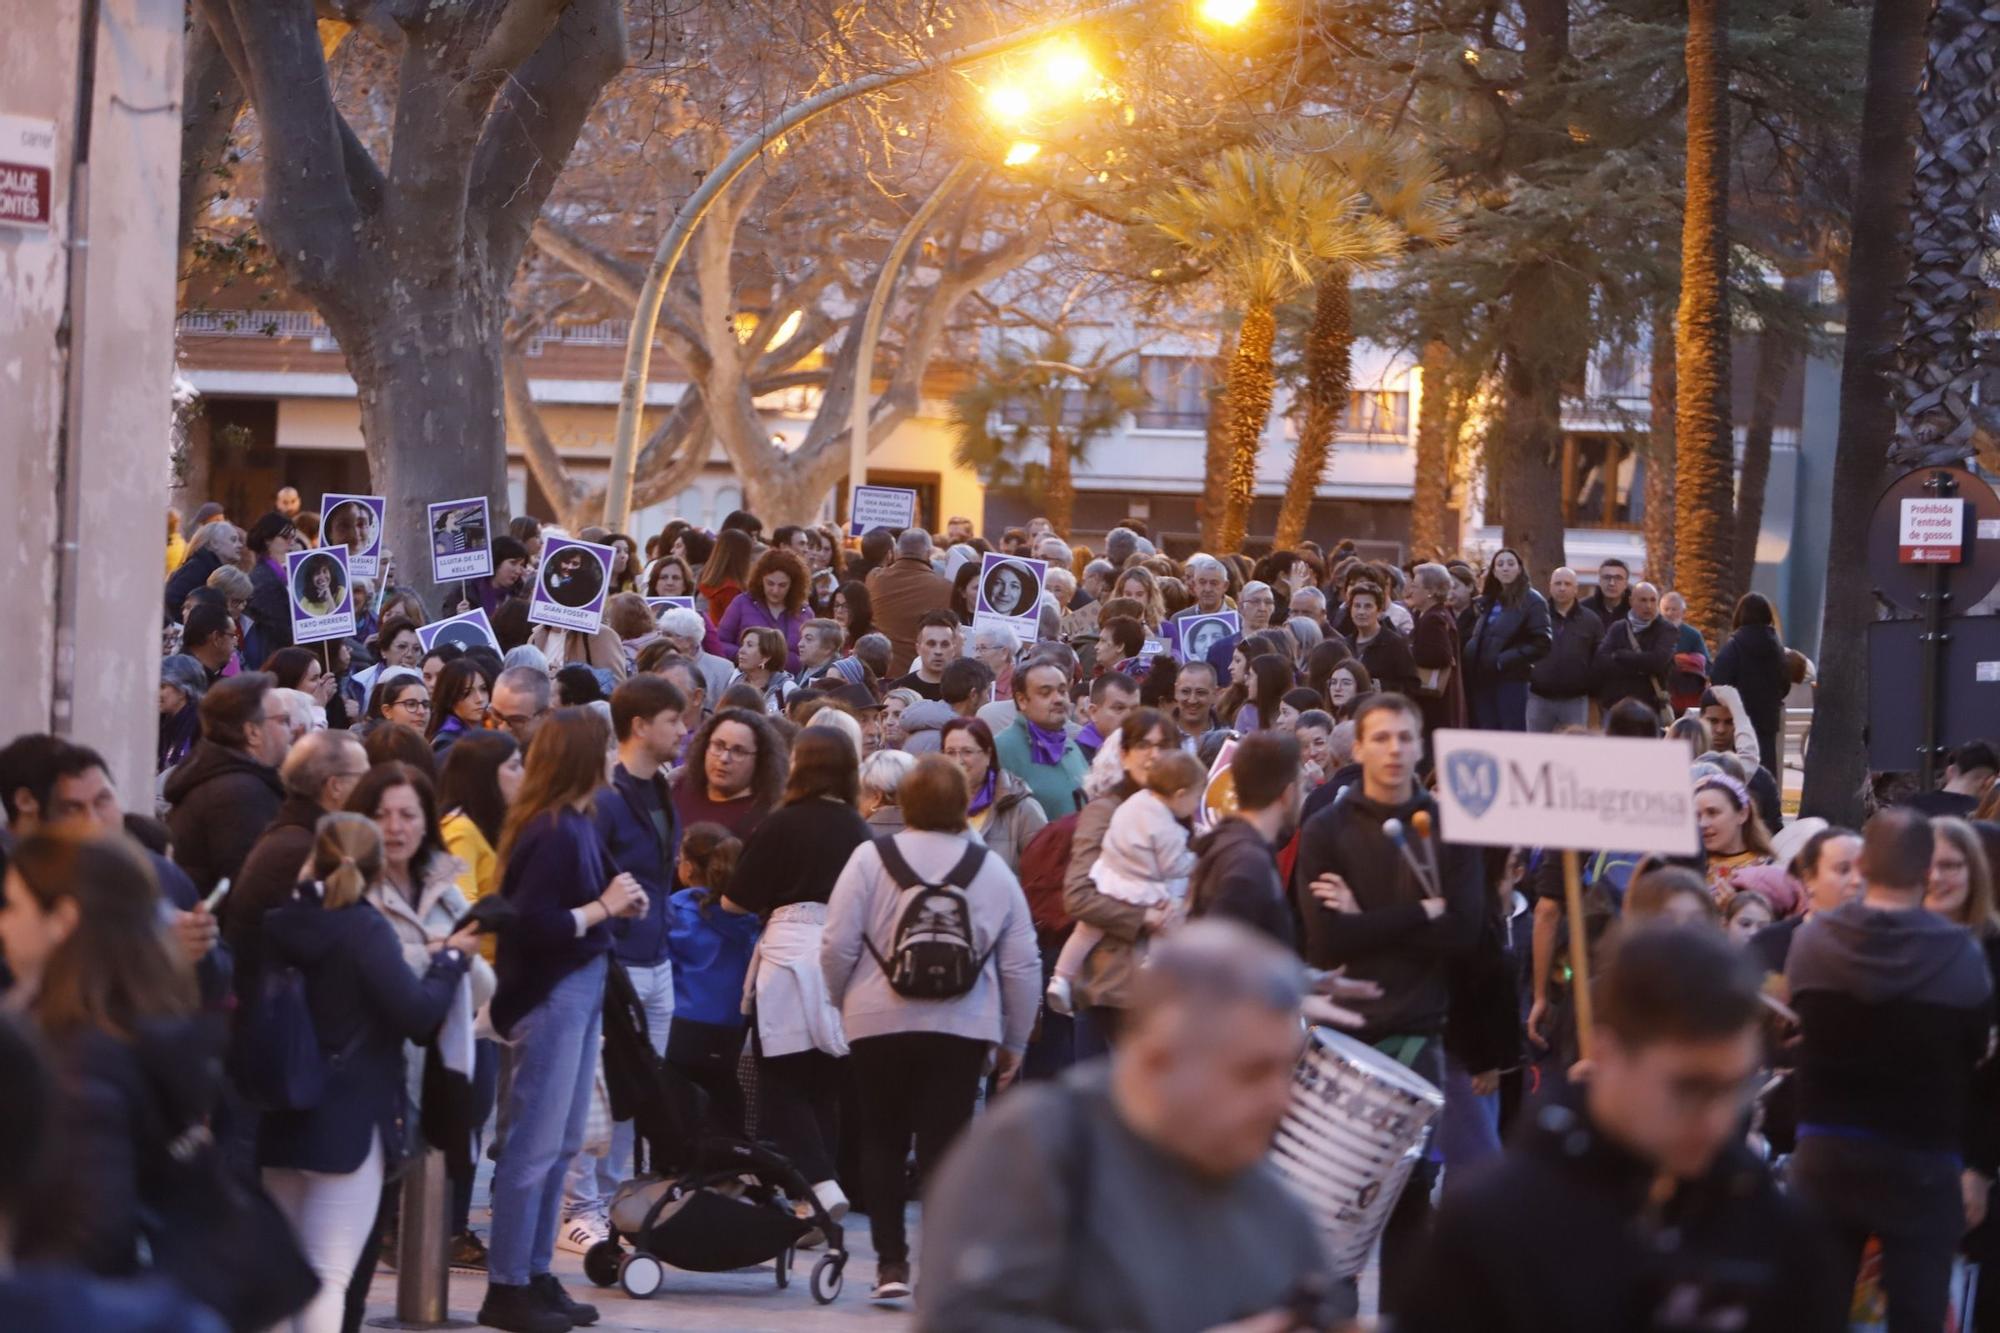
[1145, 859]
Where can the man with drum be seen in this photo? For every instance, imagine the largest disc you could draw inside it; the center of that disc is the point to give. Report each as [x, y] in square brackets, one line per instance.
[1077, 1204]
[1380, 895]
[1631, 1202]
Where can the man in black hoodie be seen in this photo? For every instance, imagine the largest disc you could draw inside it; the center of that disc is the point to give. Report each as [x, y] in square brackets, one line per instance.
[227, 791]
[1630, 1202]
[1236, 864]
[1895, 1009]
[1365, 907]
[1559, 684]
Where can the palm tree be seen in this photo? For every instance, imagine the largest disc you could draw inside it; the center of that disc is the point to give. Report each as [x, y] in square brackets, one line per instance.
[1704, 442]
[1943, 413]
[1438, 404]
[1025, 400]
[1878, 267]
[1660, 464]
[1266, 227]
[1400, 181]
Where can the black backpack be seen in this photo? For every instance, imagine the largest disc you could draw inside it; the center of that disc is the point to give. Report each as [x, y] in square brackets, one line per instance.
[932, 956]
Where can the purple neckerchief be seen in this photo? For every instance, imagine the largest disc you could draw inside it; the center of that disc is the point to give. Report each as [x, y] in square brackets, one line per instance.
[1045, 747]
[273, 566]
[1089, 739]
[984, 796]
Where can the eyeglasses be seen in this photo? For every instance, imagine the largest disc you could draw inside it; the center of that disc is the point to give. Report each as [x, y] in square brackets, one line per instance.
[414, 705]
[731, 751]
[517, 720]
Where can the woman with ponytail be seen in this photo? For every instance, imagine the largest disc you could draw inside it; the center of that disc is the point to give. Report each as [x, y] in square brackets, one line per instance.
[549, 1007]
[325, 1164]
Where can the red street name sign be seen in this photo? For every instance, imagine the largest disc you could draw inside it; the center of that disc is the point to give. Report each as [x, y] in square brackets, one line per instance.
[1930, 532]
[27, 171]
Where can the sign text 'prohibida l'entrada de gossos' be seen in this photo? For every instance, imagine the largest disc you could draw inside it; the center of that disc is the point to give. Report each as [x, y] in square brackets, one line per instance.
[1519, 789]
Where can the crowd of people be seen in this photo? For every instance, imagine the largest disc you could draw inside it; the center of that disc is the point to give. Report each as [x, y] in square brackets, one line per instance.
[932, 906]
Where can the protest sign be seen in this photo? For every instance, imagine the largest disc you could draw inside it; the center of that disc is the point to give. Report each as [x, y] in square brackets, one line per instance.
[1521, 789]
[470, 630]
[1198, 635]
[461, 545]
[1010, 593]
[889, 507]
[659, 606]
[354, 521]
[571, 585]
[322, 600]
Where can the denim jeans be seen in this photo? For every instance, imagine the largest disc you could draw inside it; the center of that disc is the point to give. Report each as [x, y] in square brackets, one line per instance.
[1500, 705]
[554, 1064]
[592, 1180]
[1909, 1199]
[1469, 1129]
[1547, 715]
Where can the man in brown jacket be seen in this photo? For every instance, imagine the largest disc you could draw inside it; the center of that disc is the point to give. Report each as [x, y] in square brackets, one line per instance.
[903, 591]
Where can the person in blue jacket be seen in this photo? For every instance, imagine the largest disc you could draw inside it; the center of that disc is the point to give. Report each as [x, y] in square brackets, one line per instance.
[324, 1165]
[549, 1007]
[711, 940]
[634, 815]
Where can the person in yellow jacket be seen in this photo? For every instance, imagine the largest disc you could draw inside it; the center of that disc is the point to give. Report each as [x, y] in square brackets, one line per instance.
[474, 791]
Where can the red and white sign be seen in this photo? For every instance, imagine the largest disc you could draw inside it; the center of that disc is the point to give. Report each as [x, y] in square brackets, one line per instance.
[1931, 532]
[27, 171]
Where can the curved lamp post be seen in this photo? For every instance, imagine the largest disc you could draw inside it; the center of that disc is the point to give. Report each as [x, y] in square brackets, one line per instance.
[667, 255]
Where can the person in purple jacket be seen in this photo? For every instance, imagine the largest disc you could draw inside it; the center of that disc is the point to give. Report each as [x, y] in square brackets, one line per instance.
[775, 599]
[549, 1007]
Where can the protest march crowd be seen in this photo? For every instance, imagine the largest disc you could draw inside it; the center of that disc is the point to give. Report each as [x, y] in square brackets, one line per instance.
[712, 888]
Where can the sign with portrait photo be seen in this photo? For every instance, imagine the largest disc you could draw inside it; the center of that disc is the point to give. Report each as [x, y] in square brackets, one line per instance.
[1010, 594]
[461, 539]
[471, 630]
[572, 584]
[659, 606]
[891, 507]
[1196, 636]
[354, 521]
[322, 595]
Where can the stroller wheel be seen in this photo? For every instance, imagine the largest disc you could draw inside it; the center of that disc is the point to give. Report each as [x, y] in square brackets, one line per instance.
[600, 1262]
[783, 1264]
[641, 1276]
[826, 1278]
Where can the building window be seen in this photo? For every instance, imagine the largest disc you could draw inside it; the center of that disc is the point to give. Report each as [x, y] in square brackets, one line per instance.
[1376, 412]
[1027, 412]
[1603, 482]
[1177, 389]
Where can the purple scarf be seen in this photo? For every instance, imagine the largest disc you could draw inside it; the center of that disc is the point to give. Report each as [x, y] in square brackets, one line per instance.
[984, 796]
[1045, 747]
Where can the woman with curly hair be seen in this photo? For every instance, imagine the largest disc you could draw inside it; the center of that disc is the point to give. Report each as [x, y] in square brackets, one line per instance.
[775, 599]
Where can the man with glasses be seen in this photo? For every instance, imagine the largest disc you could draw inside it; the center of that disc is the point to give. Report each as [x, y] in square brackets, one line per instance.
[734, 773]
[228, 791]
[1632, 1202]
[520, 701]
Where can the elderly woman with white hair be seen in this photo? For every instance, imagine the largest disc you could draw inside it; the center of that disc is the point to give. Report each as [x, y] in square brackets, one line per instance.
[684, 628]
[996, 646]
[881, 774]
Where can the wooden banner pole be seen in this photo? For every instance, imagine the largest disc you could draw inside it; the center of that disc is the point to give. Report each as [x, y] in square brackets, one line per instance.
[1579, 952]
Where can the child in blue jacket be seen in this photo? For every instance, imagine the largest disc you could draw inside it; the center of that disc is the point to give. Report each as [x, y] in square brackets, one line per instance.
[710, 941]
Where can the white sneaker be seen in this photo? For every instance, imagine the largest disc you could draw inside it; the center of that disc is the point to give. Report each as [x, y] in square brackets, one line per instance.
[830, 1197]
[1059, 998]
[581, 1232]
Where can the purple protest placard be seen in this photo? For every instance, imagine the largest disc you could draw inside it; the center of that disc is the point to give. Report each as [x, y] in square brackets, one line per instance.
[571, 586]
[354, 521]
[321, 595]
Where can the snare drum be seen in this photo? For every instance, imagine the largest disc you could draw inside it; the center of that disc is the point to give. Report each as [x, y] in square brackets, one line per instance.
[1350, 1140]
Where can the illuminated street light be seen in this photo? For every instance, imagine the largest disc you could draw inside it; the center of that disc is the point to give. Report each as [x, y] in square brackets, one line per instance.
[1065, 69]
[1226, 13]
[1021, 153]
[1009, 104]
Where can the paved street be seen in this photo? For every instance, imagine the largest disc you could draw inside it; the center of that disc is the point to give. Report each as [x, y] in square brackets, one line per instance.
[747, 1301]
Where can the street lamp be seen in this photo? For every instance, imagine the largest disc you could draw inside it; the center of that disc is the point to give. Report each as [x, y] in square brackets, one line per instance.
[1058, 64]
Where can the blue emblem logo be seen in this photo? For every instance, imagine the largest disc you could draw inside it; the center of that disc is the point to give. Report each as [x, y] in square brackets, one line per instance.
[1474, 778]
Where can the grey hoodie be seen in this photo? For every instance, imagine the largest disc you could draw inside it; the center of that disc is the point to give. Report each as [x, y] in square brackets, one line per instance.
[1894, 1008]
[922, 721]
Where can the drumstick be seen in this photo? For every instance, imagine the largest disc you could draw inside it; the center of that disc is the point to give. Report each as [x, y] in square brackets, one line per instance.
[1393, 830]
[1420, 822]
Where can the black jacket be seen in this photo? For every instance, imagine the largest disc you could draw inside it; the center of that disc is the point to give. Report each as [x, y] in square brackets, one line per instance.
[1570, 669]
[193, 573]
[1556, 1236]
[1391, 940]
[1605, 612]
[1508, 642]
[1389, 661]
[636, 849]
[1631, 667]
[365, 1004]
[1236, 875]
[1894, 1010]
[121, 1104]
[269, 875]
[222, 800]
[1754, 662]
[269, 612]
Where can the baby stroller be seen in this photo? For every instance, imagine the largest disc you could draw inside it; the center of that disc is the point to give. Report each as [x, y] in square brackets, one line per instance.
[709, 1204]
